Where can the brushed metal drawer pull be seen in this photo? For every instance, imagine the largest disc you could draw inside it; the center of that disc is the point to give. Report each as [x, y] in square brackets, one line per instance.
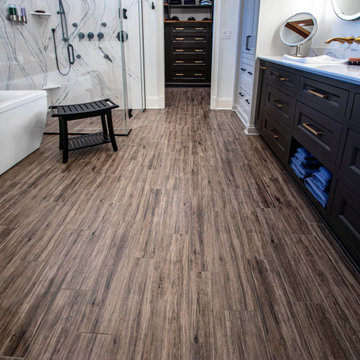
[179, 28]
[179, 74]
[179, 50]
[198, 74]
[179, 61]
[262, 67]
[199, 38]
[313, 131]
[199, 61]
[278, 76]
[274, 133]
[199, 50]
[277, 103]
[323, 96]
[199, 28]
[179, 38]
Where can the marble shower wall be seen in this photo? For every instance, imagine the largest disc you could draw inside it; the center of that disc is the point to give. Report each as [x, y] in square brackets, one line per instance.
[27, 59]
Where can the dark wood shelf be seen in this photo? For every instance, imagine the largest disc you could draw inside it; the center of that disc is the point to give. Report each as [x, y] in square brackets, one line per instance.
[187, 21]
[87, 140]
[189, 6]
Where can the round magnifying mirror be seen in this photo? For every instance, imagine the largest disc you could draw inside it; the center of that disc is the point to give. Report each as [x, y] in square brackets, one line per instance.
[298, 29]
[347, 9]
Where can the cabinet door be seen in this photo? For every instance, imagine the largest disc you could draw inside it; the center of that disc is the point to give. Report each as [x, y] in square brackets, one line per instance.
[345, 217]
[249, 28]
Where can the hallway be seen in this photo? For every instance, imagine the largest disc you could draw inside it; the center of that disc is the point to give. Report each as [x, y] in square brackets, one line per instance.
[190, 242]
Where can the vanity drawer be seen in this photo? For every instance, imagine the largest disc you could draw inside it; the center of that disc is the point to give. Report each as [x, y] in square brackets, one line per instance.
[317, 133]
[283, 79]
[345, 218]
[281, 105]
[355, 112]
[350, 164]
[275, 136]
[329, 99]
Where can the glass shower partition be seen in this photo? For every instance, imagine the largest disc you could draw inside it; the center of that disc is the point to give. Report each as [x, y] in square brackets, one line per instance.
[71, 50]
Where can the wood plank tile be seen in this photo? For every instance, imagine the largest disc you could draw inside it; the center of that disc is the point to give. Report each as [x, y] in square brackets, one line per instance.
[191, 242]
[342, 304]
[245, 336]
[282, 329]
[56, 332]
[165, 333]
[18, 331]
[324, 339]
[207, 318]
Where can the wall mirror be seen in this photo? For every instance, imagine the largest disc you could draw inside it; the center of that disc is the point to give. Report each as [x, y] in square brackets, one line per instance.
[347, 9]
[298, 29]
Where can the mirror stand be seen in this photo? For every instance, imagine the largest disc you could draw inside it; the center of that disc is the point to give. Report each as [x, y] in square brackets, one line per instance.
[297, 53]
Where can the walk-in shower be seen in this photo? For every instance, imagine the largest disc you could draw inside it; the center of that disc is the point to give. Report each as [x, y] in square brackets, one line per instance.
[72, 50]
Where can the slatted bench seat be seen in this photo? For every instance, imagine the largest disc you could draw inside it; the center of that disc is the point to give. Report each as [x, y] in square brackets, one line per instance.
[67, 113]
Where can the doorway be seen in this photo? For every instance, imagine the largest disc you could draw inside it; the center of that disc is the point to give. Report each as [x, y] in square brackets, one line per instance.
[187, 29]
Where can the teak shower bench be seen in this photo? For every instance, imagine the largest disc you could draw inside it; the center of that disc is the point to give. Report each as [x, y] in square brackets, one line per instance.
[67, 113]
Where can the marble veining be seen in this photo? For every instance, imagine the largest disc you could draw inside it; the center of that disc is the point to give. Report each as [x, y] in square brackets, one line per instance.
[27, 60]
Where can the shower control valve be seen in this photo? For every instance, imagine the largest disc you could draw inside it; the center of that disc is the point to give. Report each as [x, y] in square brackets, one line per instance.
[90, 35]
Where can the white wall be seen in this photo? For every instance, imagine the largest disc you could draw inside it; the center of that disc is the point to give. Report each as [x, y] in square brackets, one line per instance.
[329, 25]
[154, 56]
[226, 58]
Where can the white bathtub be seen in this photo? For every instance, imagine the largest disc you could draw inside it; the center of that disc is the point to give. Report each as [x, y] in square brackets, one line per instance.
[22, 122]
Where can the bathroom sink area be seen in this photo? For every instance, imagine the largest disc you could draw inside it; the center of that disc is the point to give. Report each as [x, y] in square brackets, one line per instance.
[315, 60]
[322, 65]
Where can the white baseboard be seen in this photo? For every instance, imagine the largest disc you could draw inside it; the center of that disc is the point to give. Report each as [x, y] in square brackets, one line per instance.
[252, 130]
[249, 129]
[240, 116]
[155, 102]
[221, 103]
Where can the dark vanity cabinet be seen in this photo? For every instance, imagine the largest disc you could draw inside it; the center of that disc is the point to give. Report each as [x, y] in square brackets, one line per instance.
[302, 109]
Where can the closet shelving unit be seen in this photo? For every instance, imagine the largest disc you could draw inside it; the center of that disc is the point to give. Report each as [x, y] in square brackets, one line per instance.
[188, 45]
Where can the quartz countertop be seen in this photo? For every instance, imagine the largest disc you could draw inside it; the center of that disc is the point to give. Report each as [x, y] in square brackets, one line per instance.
[348, 73]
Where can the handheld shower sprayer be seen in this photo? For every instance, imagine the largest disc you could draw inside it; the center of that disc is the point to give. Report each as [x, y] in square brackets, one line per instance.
[65, 38]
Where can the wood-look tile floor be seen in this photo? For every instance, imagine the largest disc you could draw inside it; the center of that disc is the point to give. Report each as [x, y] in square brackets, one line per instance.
[190, 242]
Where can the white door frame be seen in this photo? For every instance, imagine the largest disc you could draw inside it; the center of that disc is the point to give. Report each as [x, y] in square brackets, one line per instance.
[215, 54]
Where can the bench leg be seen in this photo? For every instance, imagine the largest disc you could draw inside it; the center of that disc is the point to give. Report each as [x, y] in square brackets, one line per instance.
[111, 131]
[61, 134]
[65, 140]
[105, 131]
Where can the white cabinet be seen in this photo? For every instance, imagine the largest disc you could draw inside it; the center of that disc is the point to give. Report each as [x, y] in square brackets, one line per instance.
[246, 72]
[250, 25]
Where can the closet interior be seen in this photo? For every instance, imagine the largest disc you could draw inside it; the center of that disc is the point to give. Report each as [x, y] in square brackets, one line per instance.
[188, 42]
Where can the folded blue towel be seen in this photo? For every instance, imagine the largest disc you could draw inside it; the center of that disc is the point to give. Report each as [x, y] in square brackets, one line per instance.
[299, 170]
[321, 182]
[309, 163]
[321, 196]
[325, 173]
[304, 153]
